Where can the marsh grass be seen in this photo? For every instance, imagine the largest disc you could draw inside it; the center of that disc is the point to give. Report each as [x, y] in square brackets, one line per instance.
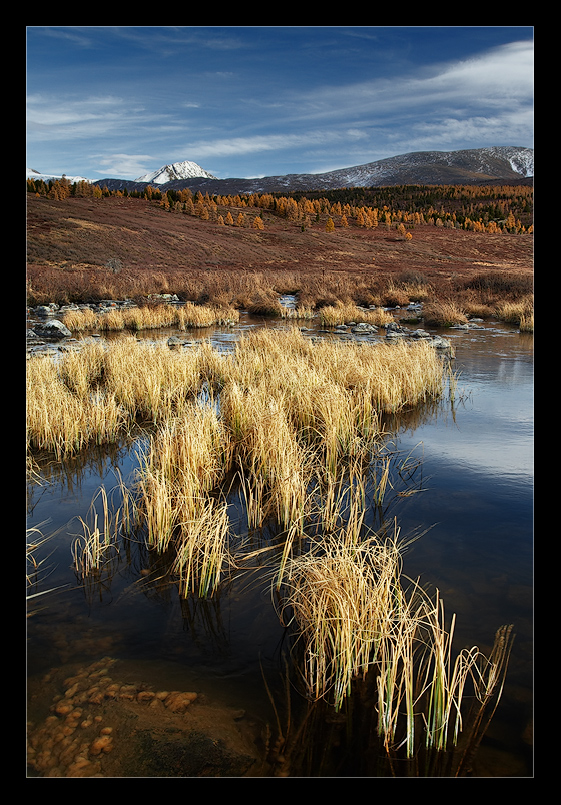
[150, 317]
[520, 312]
[299, 425]
[304, 312]
[98, 545]
[37, 570]
[291, 419]
[352, 619]
[202, 554]
[444, 313]
[341, 313]
[66, 420]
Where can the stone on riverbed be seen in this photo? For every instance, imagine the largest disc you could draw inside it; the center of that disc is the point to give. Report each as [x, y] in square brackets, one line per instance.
[52, 329]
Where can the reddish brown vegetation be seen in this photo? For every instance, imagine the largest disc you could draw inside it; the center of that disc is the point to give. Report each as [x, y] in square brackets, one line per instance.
[83, 249]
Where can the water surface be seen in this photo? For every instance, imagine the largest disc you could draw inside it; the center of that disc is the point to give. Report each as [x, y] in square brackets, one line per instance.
[471, 499]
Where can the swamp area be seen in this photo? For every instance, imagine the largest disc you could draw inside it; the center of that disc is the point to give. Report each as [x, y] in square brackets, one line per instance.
[134, 670]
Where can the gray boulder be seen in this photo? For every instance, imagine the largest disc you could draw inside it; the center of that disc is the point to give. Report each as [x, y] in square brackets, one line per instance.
[52, 329]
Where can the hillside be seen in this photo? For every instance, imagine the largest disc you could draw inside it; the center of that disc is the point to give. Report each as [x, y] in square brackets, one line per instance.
[73, 243]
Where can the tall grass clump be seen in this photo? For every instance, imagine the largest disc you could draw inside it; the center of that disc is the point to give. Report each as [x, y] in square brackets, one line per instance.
[352, 619]
[292, 418]
[64, 415]
[337, 597]
[186, 461]
[99, 393]
[520, 312]
[444, 313]
[150, 317]
[150, 381]
[332, 315]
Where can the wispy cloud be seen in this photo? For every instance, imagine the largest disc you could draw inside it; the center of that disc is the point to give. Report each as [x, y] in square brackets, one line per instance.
[129, 166]
[273, 142]
[493, 80]
[70, 118]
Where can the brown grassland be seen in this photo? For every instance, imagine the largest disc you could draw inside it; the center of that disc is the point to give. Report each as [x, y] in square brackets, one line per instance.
[72, 242]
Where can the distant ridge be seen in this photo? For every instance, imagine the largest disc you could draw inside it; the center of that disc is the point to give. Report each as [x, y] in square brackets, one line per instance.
[492, 165]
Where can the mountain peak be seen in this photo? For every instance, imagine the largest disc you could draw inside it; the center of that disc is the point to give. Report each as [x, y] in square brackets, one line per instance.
[177, 170]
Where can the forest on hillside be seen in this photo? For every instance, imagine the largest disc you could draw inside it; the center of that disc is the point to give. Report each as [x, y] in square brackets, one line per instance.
[480, 208]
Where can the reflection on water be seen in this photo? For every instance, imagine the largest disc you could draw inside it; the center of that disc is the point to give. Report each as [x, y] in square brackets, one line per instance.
[472, 498]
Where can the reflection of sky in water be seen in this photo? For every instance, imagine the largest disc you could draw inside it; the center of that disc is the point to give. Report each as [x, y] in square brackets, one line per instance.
[478, 470]
[492, 431]
[501, 414]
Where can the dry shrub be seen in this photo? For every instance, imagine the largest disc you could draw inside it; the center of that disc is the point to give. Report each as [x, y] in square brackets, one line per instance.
[519, 312]
[394, 295]
[443, 314]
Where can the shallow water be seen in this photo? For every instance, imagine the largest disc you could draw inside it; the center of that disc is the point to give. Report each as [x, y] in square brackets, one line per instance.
[471, 495]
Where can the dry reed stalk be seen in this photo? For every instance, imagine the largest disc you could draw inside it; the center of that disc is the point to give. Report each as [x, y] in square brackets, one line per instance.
[201, 552]
[162, 383]
[280, 396]
[275, 467]
[396, 294]
[336, 594]
[82, 370]
[519, 312]
[443, 314]
[527, 323]
[79, 321]
[417, 291]
[112, 320]
[297, 313]
[97, 546]
[150, 317]
[59, 420]
[186, 459]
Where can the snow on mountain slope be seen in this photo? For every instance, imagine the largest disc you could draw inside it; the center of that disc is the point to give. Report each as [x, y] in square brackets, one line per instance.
[471, 166]
[177, 170]
[46, 177]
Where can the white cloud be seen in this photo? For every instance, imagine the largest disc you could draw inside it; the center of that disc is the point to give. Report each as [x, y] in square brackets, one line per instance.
[78, 118]
[493, 79]
[274, 142]
[124, 165]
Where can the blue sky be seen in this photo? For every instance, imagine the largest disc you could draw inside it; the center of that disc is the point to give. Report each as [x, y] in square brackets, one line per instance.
[121, 101]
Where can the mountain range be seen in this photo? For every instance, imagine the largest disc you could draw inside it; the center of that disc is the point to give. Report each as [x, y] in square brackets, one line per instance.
[491, 165]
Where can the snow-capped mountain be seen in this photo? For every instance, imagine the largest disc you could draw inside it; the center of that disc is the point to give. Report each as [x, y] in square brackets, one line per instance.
[492, 165]
[502, 163]
[176, 171]
[47, 177]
